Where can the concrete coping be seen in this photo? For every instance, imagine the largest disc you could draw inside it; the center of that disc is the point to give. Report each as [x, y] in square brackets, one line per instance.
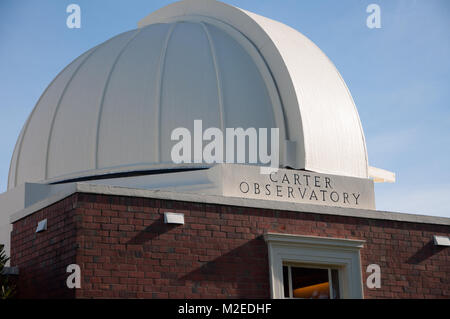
[81, 187]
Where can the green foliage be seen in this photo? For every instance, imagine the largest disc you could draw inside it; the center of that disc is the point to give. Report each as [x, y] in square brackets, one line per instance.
[6, 289]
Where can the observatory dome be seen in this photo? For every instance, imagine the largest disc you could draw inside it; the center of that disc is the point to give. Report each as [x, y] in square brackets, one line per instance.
[112, 110]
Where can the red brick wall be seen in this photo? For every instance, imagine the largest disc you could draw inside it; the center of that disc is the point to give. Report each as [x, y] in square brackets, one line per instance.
[125, 250]
[42, 257]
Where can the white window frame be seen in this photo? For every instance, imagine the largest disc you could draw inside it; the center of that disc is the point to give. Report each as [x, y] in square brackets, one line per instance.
[328, 268]
[312, 251]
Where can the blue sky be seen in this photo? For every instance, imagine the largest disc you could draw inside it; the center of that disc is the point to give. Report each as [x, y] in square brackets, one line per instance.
[399, 75]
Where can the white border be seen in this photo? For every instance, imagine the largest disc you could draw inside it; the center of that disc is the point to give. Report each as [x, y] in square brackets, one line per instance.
[324, 251]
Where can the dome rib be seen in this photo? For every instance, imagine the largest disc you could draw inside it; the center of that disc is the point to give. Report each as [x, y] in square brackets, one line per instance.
[99, 115]
[19, 148]
[161, 65]
[58, 106]
[218, 79]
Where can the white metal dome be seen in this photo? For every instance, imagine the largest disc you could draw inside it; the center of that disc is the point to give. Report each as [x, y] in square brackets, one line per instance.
[113, 108]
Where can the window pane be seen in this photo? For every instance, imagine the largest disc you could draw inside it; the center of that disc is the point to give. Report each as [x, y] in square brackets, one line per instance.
[311, 283]
[286, 281]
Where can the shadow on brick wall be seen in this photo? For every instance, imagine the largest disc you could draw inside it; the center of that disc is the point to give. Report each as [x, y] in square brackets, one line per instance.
[242, 272]
[152, 232]
[424, 253]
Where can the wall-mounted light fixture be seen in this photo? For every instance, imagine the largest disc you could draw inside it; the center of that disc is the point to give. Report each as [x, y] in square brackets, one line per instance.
[441, 240]
[8, 271]
[174, 218]
[42, 225]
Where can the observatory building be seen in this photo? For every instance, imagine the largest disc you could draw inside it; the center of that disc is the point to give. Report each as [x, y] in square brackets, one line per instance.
[93, 182]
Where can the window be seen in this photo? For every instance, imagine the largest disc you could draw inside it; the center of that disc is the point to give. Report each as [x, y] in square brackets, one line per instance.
[314, 267]
[306, 282]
